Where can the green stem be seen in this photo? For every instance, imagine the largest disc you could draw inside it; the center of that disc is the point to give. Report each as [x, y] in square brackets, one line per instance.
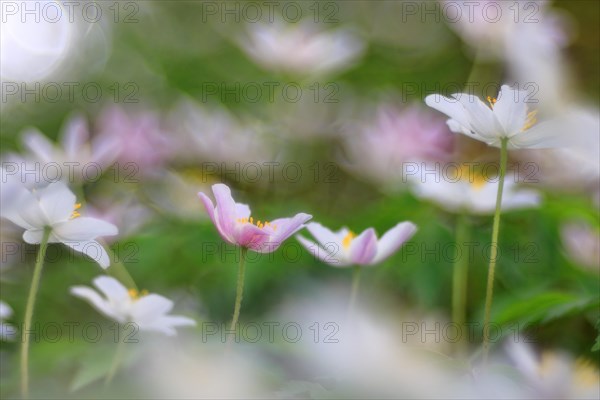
[35, 284]
[115, 362]
[459, 281]
[240, 289]
[355, 286]
[494, 251]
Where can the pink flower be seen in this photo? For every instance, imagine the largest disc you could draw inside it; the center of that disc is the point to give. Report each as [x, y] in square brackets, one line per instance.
[236, 226]
[344, 248]
[378, 146]
[139, 136]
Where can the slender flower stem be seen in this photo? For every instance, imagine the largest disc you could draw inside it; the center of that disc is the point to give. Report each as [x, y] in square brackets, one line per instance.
[240, 289]
[494, 251]
[35, 283]
[354, 290]
[459, 280]
[115, 362]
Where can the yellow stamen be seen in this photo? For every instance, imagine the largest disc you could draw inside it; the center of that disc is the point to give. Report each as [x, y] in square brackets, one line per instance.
[476, 178]
[492, 101]
[348, 239]
[258, 223]
[531, 120]
[135, 295]
[75, 213]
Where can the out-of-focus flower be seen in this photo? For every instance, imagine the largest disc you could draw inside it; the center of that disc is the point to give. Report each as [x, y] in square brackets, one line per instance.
[344, 248]
[379, 147]
[199, 370]
[474, 194]
[77, 157]
[555, 375]
[7, 331]
[582, 243]
[206, 135]
[148, 311]
[576, 165]
[236, 226]
[54, 207]
[301, 48]
[139, 137]
[507, 117]
[127, 213]
[490, 35]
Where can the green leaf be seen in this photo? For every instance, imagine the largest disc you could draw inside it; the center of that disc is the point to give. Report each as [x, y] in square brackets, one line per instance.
[545, 307]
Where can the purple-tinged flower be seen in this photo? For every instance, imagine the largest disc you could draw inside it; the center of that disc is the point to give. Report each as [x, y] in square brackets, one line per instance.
[78, 157]
[379, 146]
[344, 248]
[140, 137]
[236, 226]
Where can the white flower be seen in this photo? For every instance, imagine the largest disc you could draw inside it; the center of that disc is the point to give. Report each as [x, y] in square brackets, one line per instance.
[555, 375]
[300, 48]
[344, 248]
[7, 331]
[147, 311]
[54, 207]
[77, 157]
[476, 195]
[507, 117]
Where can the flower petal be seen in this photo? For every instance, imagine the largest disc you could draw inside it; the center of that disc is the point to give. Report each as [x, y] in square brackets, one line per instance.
[150, 307]
[83, 228]
[322, 234]
[74, 136]
[323, 253]
[225, 212]
[451, 107]
[92, 249]
[393, 239]
[481, 117]
[286, 227]
[39, 145]
[114, 290]
[363, 247]
[57, 201]
[100, 304]
[251, 236]
[510, 109]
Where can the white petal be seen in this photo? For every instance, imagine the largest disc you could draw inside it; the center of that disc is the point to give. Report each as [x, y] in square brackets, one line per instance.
[92, 297]
[481, 117]
[84, 228]
[92, 249]
[114, 290]
[5, 310]
[33, 236]
[331, 254]
[57, 201]
[75, 135]
[39, 145]
[150, 307]
[322, 234]
[393, 239]
[25, 211]
[242, 210]
[166, 323]
[449, 106]
[511, 109]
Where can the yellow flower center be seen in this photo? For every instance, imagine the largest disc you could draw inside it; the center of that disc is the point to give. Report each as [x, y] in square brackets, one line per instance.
[135, 295]
[531, 120]
[586, 375]
[475, 178]
[75, 213]
[347, 240]
[259, 224]
[492, 101]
